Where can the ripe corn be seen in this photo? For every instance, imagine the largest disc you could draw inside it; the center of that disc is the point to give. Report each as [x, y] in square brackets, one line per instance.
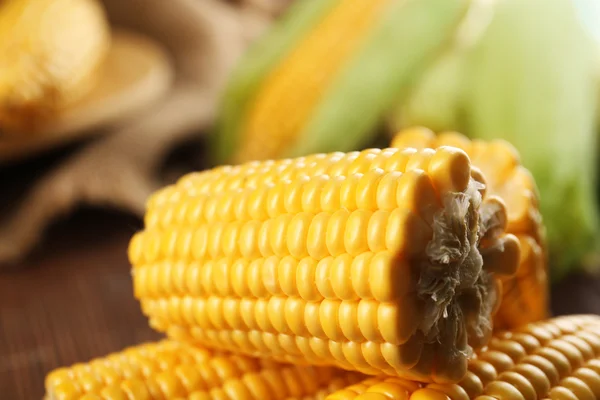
[264, 136]
[376, 261]
[555, 359]
[377, 388]
[525, 295]
[50, 51]
[168, 370]
[286, 97]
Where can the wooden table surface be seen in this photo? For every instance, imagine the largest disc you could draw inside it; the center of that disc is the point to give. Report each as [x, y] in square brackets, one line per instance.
[72, 300]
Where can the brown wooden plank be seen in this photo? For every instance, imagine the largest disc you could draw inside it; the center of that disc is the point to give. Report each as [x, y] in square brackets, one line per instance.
[69, 302]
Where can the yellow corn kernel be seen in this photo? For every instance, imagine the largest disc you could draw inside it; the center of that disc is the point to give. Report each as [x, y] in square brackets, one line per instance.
[532, 369]
[384, 388]
[366, 278]
[50, 51]
[525, 295]
[172, 370]
[257, 174]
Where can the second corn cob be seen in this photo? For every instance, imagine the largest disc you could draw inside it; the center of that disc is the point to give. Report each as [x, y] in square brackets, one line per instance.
[329, 259]
[525, 295]
[557, 359]
[168, 370]
[50, 52]
[322, 57]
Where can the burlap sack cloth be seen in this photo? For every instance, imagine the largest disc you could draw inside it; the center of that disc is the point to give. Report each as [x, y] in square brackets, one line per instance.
[121, 168]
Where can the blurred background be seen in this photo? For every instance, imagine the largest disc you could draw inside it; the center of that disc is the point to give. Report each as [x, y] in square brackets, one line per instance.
[102, 102]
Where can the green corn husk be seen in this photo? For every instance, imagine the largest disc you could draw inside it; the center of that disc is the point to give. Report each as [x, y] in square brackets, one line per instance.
[255, 66]
[391, 56]
[529, 78]
[436, 100]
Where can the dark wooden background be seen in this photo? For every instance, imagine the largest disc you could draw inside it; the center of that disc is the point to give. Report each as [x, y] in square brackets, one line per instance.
[72, 299]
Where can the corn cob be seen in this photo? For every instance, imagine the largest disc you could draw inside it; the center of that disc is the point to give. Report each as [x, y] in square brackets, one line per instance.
[556, 359]
[171, 370]
[349, 259]
[50, 51]
[525, 295]
[285, 100]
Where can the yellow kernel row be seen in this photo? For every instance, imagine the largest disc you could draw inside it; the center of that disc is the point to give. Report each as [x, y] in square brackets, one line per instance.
[377, 389]
[376, 189]
[381, 276]
[438, 164]
[170, 370]
[319, 234]
[582, 384]
[412, 360]
[164, 369]
[336, 320]
[555, 359]
[299, 235]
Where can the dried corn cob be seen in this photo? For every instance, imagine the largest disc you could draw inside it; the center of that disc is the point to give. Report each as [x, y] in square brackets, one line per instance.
[171, 370]
[329, 260]
[285, 100]
[556, 359]
[49, 54]
[525, 295]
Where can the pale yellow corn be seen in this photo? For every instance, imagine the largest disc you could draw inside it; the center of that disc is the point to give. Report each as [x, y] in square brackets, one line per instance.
[50, 53]
[557, 359]
[351, 260]
[168, 370]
